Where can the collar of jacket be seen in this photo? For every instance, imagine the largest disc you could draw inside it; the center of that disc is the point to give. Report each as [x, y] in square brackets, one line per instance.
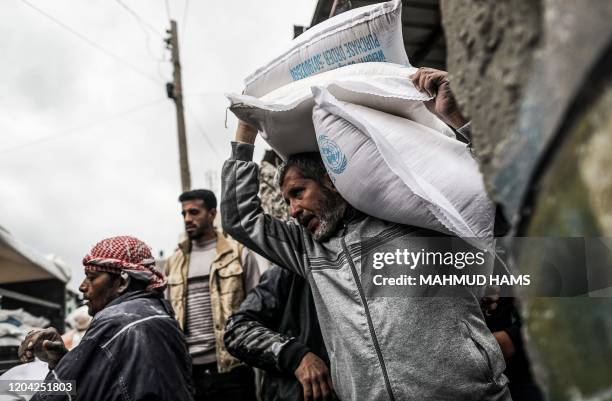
[352, 215]
[128, 296]
[223, 246]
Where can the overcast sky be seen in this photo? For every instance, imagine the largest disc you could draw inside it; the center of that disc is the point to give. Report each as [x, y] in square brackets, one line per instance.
[89, 146]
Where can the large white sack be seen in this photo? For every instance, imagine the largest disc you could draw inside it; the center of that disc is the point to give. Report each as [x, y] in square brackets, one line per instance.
[284, 116]
[401, 171]
[364, 34]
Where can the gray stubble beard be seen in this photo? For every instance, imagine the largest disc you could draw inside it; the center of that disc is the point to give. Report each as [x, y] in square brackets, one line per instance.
[333, 207]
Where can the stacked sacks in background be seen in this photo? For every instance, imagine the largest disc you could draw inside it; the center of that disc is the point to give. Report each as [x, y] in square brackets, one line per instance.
[15, 324]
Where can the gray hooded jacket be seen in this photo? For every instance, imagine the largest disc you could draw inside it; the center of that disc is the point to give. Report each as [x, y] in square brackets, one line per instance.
[382, 348]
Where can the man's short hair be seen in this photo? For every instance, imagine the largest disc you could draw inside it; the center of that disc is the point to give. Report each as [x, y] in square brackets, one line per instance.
[208, 197]
[310, 165]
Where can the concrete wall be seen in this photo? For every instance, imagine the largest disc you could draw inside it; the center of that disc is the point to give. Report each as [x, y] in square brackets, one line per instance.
[535, 78]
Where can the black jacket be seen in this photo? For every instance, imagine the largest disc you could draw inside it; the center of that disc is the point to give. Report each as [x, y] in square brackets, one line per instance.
[274, 328]
[132, 351]
[521, 383]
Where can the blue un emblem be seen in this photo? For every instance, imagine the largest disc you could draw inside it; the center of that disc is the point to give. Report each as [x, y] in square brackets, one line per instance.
[332, 156]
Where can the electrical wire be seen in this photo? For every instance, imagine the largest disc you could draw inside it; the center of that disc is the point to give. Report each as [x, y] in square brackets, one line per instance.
[145, 27]
[167, 9]
[184, 19]
[161, 61]
[93, 44]
[140, 20]
[74, 130]
[202, 132]
[203, 94]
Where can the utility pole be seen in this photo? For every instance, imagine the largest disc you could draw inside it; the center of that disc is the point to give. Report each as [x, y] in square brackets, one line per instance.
[174, 91]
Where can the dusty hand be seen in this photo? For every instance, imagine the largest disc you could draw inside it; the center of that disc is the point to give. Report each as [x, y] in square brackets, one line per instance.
[245, 133]
[44, 344]
[313, 375]
[435, 83]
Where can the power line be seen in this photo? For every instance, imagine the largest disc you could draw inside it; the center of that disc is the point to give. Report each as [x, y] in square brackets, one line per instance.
[140, 19]
[204, 94]
[167, 9]
[142, 24]
[92, 43]
[203, 133]
[159, 70]
[184, 19]
[145, 27]
[74, 130]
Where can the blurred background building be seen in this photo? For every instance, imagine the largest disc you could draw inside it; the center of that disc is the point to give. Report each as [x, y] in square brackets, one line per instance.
[33, 293]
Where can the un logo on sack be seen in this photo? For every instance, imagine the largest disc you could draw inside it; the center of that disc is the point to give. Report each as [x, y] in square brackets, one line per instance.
[333, 157]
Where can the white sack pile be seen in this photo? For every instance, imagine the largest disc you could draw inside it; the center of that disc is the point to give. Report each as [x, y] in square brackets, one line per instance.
[364, 34]
[402, 171]
[284, 116]
[15, 325]
[387, 154]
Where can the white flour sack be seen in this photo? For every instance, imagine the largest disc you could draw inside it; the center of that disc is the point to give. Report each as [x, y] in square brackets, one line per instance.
[401, 171]
[364, 34]
[284, 116]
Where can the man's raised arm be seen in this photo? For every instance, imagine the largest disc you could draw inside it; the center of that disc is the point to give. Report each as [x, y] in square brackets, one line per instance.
[241, 213]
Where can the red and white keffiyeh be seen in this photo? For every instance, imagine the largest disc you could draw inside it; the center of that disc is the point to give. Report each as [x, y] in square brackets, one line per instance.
[125, 253]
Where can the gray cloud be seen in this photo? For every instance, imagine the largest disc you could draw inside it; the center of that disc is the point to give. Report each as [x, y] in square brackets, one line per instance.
[107, 173]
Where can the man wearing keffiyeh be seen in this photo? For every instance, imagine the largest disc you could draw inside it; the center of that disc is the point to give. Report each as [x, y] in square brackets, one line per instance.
[133, 349]
[129, 264]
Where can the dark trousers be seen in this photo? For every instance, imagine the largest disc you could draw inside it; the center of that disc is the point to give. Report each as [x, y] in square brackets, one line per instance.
[236, 385]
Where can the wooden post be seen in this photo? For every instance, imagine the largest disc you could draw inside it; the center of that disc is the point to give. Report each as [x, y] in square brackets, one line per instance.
[175, 92]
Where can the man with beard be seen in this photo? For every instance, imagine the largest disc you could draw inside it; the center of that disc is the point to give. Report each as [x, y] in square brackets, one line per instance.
[208, 278]
[133, 348]
[380, 348]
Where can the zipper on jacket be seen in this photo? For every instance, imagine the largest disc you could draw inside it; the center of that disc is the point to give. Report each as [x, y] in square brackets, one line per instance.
[369, 319]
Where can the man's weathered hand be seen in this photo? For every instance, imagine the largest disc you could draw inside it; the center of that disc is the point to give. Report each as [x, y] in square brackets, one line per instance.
[505, 343]
[313, 375]
[435, 83]
[245, 133]
[44, 344]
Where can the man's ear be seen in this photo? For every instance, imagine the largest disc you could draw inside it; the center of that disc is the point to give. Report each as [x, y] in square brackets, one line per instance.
[213, 213]
[328, 183]
[124, 282]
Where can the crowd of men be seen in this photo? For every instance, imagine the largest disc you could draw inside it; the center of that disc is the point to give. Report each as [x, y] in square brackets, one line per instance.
[197, 330]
